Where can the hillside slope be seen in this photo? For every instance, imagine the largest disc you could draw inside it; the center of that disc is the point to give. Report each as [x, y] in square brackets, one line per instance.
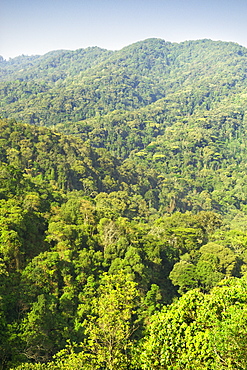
[123, 208]
[177, 109]
[76, 85]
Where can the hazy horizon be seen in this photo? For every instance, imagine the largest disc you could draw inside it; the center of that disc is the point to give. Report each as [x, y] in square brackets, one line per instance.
[32, 27]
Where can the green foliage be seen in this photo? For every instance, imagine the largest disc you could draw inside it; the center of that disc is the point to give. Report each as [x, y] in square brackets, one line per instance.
[109, 332]
[123, 240]
[199, 331]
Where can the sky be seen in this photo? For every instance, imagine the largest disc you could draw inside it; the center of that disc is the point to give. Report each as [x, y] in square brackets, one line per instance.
[33, 27]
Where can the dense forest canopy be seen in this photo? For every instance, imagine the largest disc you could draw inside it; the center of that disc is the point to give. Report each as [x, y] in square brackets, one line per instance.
[123, 208]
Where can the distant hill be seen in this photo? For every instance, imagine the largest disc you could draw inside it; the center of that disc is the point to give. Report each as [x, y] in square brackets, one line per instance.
[178, 109]
[123, 208]
[71, 86]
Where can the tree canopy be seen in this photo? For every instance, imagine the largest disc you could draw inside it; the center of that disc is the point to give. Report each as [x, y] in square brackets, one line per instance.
[123, 208]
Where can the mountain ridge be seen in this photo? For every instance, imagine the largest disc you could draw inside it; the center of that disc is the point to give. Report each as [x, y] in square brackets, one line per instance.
[123, 208]
[131, 78]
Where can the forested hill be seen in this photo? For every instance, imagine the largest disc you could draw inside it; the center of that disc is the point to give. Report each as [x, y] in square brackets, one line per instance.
[86, 258]
[177, 109]
[70, 86]
[123, 208]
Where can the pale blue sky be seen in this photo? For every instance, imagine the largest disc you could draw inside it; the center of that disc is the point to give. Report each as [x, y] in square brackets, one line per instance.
[38, 26]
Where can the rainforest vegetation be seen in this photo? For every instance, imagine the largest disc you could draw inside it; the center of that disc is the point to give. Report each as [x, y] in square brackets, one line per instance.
[123, 208]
